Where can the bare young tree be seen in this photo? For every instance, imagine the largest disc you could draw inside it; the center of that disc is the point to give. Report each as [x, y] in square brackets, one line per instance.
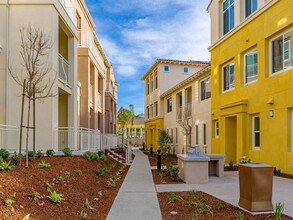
[35, 78]
[186, 121]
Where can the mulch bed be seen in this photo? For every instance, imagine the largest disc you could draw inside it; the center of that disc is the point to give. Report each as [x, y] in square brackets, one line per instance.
[188, 211]
[166, 179]
[19, 183]
[165, 159]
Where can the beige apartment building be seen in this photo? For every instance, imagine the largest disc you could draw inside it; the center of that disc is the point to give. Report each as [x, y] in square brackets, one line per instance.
[74, 116]
[163, 75]
[190, 107]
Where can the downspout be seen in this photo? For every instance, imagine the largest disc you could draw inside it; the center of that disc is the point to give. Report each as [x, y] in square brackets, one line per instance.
[7, 57]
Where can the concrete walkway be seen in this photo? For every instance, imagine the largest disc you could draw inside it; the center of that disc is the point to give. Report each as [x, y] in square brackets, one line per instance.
[137, 198]
[227, 189]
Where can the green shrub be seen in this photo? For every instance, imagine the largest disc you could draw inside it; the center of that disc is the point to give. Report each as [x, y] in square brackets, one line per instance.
[31, 154]
[88, 155]
[106, 151]
[95, 156]
[100, 153]
[67, 151]
[44, 164]
[103, 157]
[5, 166]
[16, 159]
[244, 159]
[55, 197]
[4, 153]
[39, 154]
[1, 159]
[101, 171]
[120, 150]
[173, 171]
[50, 152]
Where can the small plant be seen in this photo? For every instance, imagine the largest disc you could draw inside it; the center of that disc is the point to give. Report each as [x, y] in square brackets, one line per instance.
[78, 172]
[50, 152]
[83, 215]
[173, 196]
[231, 165]
[5, 166]
[67, 173]
[106, 151]
[103, 157]
[220, 205]
[67, 151]
[161, 174]
[244, 160]
[100, 193]
[49, 186]
[100, 152]
[39, 154]
[194, 191]
[26, 217]
[16, 159]
[95, 156]
[240, 216]
[101, 171]
[9, 202]
[4, 153]
[87, 204]
[111, 182]
[55, 197]
[278, 211]
[36, 195]
[43, 164]
[1, 159]
[90, 155]
[31, 154]
[120, 150]
[60, 178]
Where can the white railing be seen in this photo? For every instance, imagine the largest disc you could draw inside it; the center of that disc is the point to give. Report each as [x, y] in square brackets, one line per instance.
[86, 40]
[91, 94]
[9, 137]
[99, 101]
[68, 5]
[83, 139]
[64, 69]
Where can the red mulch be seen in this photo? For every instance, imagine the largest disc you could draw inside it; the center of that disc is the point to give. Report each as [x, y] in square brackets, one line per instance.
[166, 178]
[185, 211]
[165, 159]
[22, 181]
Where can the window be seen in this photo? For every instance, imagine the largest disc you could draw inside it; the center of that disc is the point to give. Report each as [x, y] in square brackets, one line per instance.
[156, 108]
[282, 52]
[138, 132]
[228, 77]
[217, 129]
[156, 80]
[228, 15]
[169, 104]
[172, 136]
[205, 89]
[152, 111]
[204, 134]
[147, 86]
[251, 67]
[185, 69]
[196, 134]
[152, 83]
[166, 68]
[176, 135]
[142, 135]
[255, 131]
[250, 7]
[148, 112]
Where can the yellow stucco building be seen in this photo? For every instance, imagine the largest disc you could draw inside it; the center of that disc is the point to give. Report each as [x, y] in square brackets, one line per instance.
[252, 80]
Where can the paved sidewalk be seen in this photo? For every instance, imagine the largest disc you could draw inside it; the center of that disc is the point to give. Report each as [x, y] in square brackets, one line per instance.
[137, 198]
[227, 189]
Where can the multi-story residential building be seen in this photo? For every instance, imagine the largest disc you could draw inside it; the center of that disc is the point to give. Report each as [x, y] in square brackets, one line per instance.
[189, 121]
[161, 76]
[59, 25]
[252, 80]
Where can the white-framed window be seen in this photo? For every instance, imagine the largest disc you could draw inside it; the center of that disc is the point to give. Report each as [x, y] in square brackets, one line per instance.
[148, 112]
[151, 82]
[156, 108]
[250, 66]
[152, 111]
[250, 7]
[147, 86]
[166, 68]
[282, 52]
[205, 89]
[172, 135]
[196, 135]
[228, 16]
[217, 131]
[204, 128]
[255, 131]
[185, 69]
[176, 135]
[169, 104]
[228, 76]
[156, 79]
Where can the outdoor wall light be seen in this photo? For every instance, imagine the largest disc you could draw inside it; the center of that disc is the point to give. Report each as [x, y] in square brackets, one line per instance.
[271, 113]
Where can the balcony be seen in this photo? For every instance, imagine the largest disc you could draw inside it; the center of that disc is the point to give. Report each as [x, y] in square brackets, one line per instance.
[68, 5]
[99, 100]
[179, 113]
[184, 112]
[87, 41]
[64, 70]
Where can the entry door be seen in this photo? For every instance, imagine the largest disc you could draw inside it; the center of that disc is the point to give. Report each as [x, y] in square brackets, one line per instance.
[231, 138]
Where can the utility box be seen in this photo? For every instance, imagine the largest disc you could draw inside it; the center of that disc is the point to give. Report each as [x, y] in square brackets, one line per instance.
[256, 186]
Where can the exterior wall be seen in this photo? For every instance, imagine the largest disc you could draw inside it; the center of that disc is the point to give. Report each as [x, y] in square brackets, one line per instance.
[30, 13]
[200, 114]
[271, 92]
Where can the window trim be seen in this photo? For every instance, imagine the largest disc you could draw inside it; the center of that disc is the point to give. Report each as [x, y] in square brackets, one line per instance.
[271, 73]
[228, 64]
[204, 134]
[156, 79]
[169, 107]
[253, 131]
[209, 78]
[223, 17]
[253, 51]
[166, 71]
[251, 12]
[196, 135]
[217, 129]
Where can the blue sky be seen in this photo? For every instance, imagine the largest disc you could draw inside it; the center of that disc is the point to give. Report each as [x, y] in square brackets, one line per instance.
[134, 33]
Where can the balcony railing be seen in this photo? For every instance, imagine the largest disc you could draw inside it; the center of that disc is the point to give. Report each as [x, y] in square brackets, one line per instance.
[64, 69]
[86, 40]
[184, 112]
[68, 5]
[91, 94]
[99, 100]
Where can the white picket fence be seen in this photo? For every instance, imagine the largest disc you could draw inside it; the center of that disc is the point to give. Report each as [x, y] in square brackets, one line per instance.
[9, 137]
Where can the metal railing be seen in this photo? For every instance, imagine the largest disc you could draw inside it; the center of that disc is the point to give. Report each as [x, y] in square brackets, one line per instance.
[9, 137]
[64, 69]
[84, 139]
[68, 5]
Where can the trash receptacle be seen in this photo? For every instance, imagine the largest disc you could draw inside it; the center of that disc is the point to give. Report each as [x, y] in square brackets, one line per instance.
[256, 186]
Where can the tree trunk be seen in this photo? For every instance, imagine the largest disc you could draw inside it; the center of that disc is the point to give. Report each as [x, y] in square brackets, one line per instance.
[27, 132]
[34, 120]
[21, 120]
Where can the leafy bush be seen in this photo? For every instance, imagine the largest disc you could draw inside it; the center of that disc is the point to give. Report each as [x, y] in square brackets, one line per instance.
[43, 164]
[39, 154]
[67, 151]
[90, 155]
[5, 166]
[120, 150]
[16, 159]
[55, 197]
[103, 157]
[100, 152]
[1, 159]
[106, 151]
[95, 156]
[4, 153]
[50, 152]
[31, 154]
[244, 159]
[173, 171]
[101, 171]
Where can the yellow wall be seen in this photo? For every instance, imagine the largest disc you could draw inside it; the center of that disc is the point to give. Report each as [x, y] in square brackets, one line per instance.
[246, 100]
[152, 129]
